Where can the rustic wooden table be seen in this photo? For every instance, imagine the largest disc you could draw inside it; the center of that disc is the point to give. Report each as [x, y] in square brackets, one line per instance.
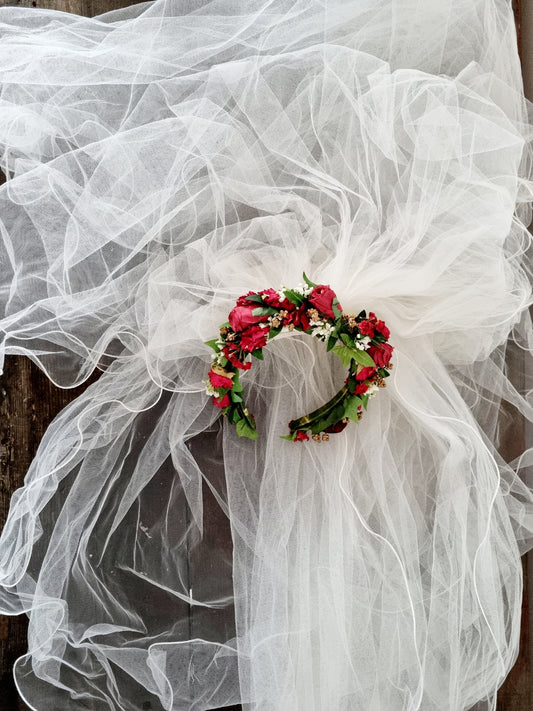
[29, 402]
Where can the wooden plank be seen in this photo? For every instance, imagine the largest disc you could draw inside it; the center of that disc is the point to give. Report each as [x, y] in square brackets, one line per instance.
[88, 8]
[28, 403]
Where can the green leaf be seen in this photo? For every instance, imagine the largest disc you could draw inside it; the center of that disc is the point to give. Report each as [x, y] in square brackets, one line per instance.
[364, 398]
[308, 281]
[255, 298]
[361, 315]
[345, 353]
[258, 354]
[213, 344]
[331, 342]
[237, 387]
[294, 297]
[245, 430]
[274, 332]
[351, 407]
[319, 426]
[336, 308]
[290, 437]
[235, 397]
[348, 340]
[264, 311]
[363, 358]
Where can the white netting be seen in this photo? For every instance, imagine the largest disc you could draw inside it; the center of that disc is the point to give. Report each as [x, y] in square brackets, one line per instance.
[164, 160]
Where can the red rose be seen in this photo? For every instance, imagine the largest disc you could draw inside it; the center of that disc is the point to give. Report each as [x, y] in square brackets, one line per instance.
[219, 380]
[365, 373]
[381, 354]
[232, 356]
[254, 338]
[360, 389]
[366, 328]
[322, 299]
[337, 427]
[221, 402]
[382, 328]
[241, 317]
[301, 437]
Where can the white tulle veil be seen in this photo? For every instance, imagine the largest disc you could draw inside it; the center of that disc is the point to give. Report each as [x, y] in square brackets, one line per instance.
[160, 162]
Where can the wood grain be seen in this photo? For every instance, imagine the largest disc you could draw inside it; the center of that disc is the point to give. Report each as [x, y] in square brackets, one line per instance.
[28, 403]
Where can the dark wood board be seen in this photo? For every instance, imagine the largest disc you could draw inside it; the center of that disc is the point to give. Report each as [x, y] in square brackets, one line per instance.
[28, 403]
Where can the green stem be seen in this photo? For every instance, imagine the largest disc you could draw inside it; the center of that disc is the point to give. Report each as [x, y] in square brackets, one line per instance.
[307, 421]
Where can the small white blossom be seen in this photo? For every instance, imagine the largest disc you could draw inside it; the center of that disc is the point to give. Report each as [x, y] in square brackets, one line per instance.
[303, 289]
[372, 389]
[322, 329]
[209, 389]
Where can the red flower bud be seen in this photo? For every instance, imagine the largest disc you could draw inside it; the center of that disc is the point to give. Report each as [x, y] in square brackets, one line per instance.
[220, 379]
[383, 329]
[381, 354]
[322, 299]
[365, 373]
[221, 402]
[241, 317]
[337, 427]
[254, 338]
[232, 355]
[366, 328]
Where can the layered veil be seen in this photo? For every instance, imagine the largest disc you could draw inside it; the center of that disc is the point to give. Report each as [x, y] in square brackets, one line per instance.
[162, 160]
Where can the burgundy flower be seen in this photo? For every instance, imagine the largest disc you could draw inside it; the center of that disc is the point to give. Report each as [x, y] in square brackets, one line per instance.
[383, 329]
[271, 298]
[233, 356]
[381, 354]
[220, 379]
[241, 317]
[360, 388]
[365, 373]
[322, 299]
[243, 300]
[254, 338]
[301, 437]
[299, 318]
[366, 328]
[221, 402]
[337, 427]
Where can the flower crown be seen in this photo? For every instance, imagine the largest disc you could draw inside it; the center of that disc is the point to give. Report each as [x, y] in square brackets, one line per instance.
[258, 317]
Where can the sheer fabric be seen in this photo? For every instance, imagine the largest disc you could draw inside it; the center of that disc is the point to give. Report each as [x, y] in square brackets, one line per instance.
[163, 160]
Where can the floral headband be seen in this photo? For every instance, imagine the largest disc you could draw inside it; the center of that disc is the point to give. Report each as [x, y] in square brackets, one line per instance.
[258, 317]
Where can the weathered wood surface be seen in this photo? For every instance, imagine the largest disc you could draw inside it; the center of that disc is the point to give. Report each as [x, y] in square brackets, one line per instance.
[28, 403]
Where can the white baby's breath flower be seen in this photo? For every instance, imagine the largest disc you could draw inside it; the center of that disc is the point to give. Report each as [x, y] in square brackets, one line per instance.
[322, 329]
[372, 390]
[303, 289]
[209, 389]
